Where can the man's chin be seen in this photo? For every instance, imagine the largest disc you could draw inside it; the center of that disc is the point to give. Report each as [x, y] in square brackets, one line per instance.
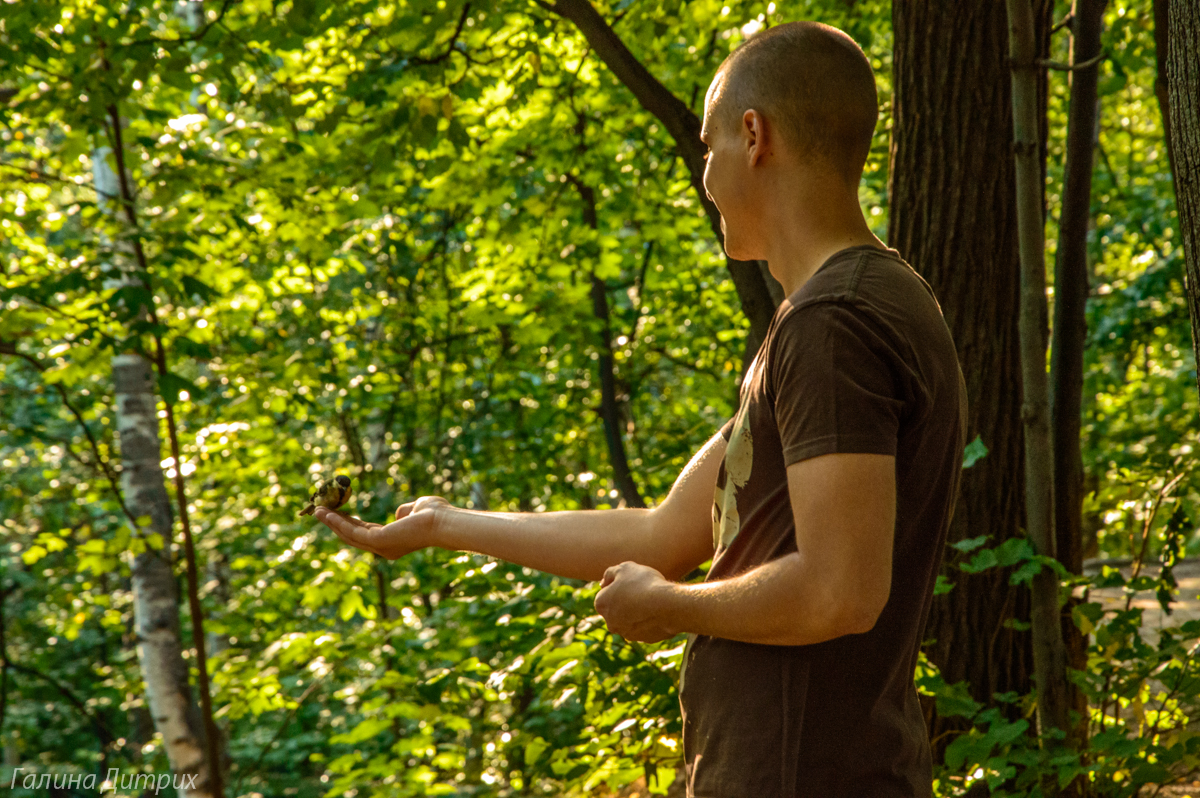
[734, 252]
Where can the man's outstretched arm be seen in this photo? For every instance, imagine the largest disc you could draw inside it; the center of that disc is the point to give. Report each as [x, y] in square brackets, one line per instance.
[672, 538]
[836, 583]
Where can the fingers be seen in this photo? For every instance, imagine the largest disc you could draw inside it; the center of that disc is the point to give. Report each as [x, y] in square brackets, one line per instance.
[350, 522]
[405, 510]
[614, 571]
[334, 521]
[349, 529]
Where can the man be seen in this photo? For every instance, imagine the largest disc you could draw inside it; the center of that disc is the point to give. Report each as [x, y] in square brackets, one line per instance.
[834, 482]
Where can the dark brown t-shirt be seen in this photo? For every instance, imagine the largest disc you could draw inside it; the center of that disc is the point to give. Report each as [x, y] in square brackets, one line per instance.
[860, 360]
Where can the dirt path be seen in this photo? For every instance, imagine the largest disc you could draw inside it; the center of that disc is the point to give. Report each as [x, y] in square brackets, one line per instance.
[1185, 608]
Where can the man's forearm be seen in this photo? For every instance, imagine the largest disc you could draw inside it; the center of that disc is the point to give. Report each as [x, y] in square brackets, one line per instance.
[579, 544]
[779, 603]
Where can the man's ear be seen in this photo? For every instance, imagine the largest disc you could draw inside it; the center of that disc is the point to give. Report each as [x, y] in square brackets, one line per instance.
[754, 132]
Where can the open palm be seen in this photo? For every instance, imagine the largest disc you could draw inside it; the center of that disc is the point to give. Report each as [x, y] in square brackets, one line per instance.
[414, 528]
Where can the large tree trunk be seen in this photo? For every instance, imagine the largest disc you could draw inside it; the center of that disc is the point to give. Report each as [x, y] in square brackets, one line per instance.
[1183, 93]
[156, 608]
[1049, 655]
[952, 214]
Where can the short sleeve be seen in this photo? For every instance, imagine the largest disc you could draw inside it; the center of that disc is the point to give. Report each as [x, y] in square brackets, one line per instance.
[727, 429]
[833, 384]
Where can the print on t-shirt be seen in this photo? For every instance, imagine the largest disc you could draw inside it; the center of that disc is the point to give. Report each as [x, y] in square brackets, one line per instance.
[739, 457]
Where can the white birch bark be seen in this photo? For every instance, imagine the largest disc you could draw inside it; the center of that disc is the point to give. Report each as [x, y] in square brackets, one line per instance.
[156, 608]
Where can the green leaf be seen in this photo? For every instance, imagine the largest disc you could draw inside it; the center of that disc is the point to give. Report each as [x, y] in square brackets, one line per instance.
[974, 452]
[1025, 574]
[189, 348]
[534, 750]
[196, 288]
[943, 586]
[970, 544]
[33, 554]
[170, 386]
[1013, 551]
[983, 560]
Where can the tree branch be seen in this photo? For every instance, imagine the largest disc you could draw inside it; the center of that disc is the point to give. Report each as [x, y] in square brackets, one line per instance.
[1061, 67]
[49, 178]
[7, 348]
[195, 37]
[609, 408]
[279, 732]
[102, 731]
[755, 294]
[462, 20]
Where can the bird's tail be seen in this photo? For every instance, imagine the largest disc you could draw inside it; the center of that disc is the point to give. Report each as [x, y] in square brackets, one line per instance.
[309, 510]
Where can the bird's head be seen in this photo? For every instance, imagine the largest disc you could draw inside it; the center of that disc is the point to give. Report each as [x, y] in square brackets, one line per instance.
[343, 480]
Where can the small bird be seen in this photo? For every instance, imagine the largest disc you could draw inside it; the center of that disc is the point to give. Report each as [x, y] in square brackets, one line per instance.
[331, 493]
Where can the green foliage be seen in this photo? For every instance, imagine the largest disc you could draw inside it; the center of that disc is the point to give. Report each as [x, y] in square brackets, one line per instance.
[1143, 698]
[359, 229]
[1139, 392]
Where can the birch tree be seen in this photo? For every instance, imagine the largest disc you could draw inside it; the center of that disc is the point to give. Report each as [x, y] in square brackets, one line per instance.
[156, 608]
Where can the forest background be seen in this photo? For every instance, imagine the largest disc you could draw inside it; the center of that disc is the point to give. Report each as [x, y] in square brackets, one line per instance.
[459, 249]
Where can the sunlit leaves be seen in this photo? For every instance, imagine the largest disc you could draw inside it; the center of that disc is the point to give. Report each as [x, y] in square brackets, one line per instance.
[367, 250]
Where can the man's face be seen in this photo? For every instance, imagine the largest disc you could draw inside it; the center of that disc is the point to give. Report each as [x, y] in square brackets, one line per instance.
[727, 174]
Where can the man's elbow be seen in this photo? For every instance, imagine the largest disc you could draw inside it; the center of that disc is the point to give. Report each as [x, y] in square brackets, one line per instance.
[851, 618]
[860, 620]
[859, 614]
[852, 614]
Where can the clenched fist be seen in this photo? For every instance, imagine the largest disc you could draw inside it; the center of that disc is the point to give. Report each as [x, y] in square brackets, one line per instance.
[631, 599]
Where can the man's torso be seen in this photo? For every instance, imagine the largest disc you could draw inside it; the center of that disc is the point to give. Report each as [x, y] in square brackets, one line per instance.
[857, 360]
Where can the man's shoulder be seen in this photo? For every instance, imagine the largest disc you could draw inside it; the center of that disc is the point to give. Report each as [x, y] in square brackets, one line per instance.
[866, 300]
[860, 276]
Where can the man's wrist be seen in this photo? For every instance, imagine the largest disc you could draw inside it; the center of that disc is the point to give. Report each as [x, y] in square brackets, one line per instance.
[440, 526]
[669, 604]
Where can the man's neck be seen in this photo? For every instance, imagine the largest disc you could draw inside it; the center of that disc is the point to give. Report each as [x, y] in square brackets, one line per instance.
[808, 228]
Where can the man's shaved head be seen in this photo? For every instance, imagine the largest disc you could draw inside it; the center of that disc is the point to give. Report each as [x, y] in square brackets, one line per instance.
[811, 81]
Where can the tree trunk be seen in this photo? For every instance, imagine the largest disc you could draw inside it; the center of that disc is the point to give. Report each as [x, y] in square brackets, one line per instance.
[1049, 654]
[609, 404]
[1183, 92]
[217, 575]
[156, 608]
[1161, 26]
[380, 567]
[155, 591]
[1071, 288]
[757, 290]
[952, 214]
[1070, 322]
[125, 191]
